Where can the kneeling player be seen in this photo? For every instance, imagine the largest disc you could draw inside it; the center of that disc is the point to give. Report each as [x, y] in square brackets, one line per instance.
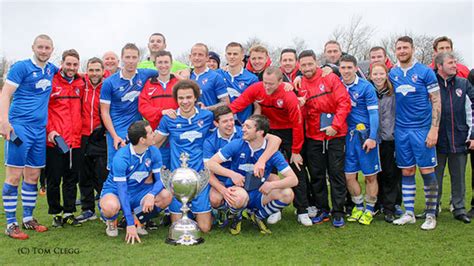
[130, 184]
[264, 197]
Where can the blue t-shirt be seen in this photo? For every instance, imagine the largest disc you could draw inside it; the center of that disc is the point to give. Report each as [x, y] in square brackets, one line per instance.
[412, 87]
[29, 105]
[212, 86]
[236, 85]
[122, 95]
[214, 143]
[187, 135]
[363, 99]
[243, 158]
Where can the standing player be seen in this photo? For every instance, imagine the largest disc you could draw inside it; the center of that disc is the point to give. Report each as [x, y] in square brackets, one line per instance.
[134, 183]
[186, 134]
[213, 89]
[266, 197]
[119, 99]
[416, 129]
[156, 99]
[282, 109]
[362, 152]
[237, 78]
[23, 125]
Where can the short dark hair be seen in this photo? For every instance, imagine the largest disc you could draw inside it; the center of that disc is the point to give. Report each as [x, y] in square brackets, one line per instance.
[220, 111]
[234, 44]
[332, 42]
[186, 84]
[407, 39]
[307, 53]
[261, 123]
[348, 58]
[164, 53]
[137, 130]
[378, 48]
[158, 34]
[70, 52]
[130, 46]
[94, 60]
[288, 50]
[441, 39]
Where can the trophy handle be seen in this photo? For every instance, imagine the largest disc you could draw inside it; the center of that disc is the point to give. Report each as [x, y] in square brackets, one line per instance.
[166, 178]
[203, 175]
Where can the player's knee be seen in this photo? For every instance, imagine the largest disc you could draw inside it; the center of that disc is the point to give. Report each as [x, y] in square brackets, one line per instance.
[287, 195]
[163, 199]
[215, 198]
[31, 175]
[371, 179]
[109, 207]
[205, 227]
[409, 171]
[13, 175]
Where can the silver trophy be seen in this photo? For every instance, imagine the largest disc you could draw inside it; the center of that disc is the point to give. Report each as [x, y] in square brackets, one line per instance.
[185, 183]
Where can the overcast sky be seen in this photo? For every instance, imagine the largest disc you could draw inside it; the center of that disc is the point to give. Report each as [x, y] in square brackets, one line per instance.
[93, 27]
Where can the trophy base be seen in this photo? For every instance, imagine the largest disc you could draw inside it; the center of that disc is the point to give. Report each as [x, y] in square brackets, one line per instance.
[184, 241]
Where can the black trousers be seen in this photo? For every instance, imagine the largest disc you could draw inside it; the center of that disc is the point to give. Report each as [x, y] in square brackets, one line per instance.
[327, 157]
[63, 167]
[92, 176]
[301, 195]
[389, 179]
[472, 178]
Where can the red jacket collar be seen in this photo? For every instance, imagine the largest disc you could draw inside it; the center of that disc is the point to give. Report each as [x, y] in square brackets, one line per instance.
[250, 68]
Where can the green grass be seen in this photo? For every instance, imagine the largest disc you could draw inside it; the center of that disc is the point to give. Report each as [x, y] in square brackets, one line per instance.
[380, 243]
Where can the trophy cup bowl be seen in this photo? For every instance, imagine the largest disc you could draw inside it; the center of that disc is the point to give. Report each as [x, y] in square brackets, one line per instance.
[185, 183]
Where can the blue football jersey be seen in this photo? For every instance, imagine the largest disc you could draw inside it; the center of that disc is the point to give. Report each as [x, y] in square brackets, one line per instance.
[236, 85]
[187, 135]
[214, 143]
[243, 158]
[29, 105]
[363, 99]
[122, 95]
[212, 86]
[412, 87]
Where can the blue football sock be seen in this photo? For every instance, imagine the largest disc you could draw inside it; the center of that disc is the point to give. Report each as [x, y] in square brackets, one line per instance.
[10, 199]
[409, 193]
[272, 207]
[29, 192]
[431, 192]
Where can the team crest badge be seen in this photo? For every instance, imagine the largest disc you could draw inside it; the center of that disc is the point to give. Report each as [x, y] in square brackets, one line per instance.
[77, 91]
[48, 71]
[204, 81]
[139, 83]
[241, 85]
[148, 162]
[321, 87]
[356, 95]
[200, 123]
[414, 77]
[280, 102]
[458, 92]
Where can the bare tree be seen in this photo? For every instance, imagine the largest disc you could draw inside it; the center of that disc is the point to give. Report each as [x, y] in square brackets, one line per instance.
[4, 66]
[354, 38]
[423, 46]
[183, 58]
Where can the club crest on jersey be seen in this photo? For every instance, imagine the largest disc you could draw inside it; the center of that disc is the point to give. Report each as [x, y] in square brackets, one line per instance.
[43, 84]
[458, 92]
[200, 123]
[130, 96]
[414, 77]
[355, 95]
[78, 91]
[204, 81]
[241, 84]
[148, 162]
[321, 87]
[405, 89]
[48, 71]
[139, 82]
[280, 102]
[191, 135]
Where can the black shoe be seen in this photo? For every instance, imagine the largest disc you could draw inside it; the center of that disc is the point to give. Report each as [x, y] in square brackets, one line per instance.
[389, 218]
[122, 224]
[71, 220]
[463, 218]
[470, 214]
[57, 221]
[166, 220]
[151, 225]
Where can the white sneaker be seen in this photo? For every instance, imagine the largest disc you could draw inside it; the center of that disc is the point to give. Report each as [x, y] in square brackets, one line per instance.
[405, 219]
[274, 218]
[312, 211]
[304, 219]
[430, 223]
[141, 231]
[111, 229]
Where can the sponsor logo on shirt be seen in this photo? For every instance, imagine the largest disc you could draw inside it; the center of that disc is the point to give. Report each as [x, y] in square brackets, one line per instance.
[139, 176]
[233, 93]
[130, 96]
[43, 84]
[247, 167]
[191, 135]
[405, 89]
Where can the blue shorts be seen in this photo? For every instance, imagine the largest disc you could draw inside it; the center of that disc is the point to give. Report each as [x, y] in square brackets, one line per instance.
[200, 204]
[32, 152]
[110, 147]
[411, 150]
[255, 200]
[358, 160]
[135, 197]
